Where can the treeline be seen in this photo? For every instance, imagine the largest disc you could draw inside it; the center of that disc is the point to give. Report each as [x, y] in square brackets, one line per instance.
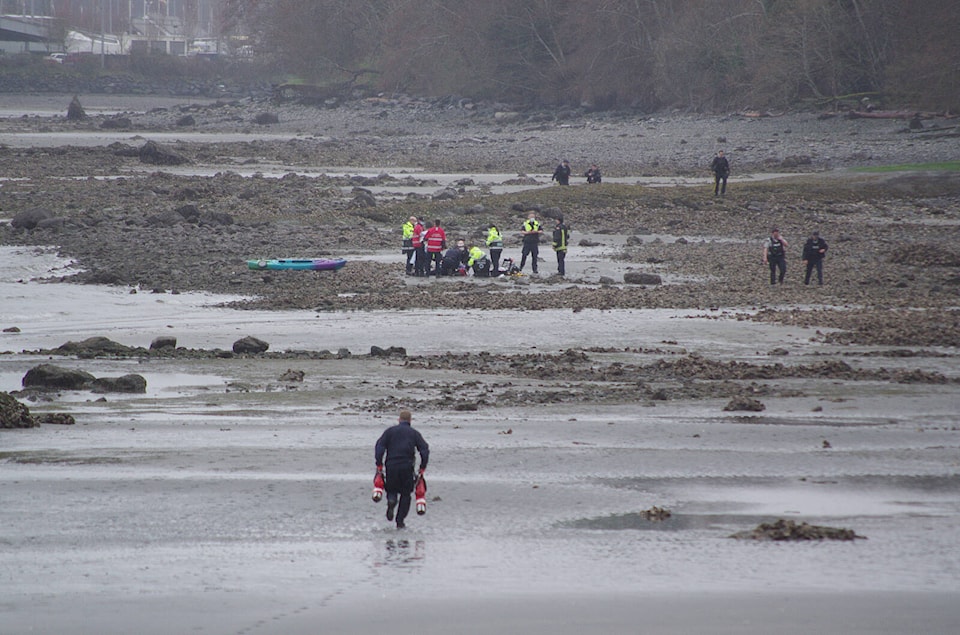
[709, 55]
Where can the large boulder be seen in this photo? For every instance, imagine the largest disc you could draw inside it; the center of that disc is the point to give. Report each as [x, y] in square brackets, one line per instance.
[131, 383]
[746, 404]
[190, 213]
[166, 218]
[30, 218]
[153, 153]
[376, 351]
[446, 194]
[162, 342]
[92, 346]
[363, 198]
[56, 418]
[75, 111]
[14, 414]
[638, 277]
[57, 378]
[250, 344]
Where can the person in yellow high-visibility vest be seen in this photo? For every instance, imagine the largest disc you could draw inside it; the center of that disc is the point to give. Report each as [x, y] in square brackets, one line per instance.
[495, 245]
[408, 249]
[478, 260]
[532, 230]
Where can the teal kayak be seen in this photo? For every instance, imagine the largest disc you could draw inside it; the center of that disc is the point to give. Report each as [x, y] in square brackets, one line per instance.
[298, 264]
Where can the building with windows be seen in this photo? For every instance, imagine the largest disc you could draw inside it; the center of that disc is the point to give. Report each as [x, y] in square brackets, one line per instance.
[173, 27]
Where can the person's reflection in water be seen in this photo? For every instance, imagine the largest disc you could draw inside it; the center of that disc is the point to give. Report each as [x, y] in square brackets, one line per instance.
[403, 553]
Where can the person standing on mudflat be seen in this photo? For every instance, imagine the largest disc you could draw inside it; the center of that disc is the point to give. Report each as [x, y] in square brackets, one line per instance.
[721, 170]
[531, 241]
[495, 245]
[775, 255]
[561, 236]
[593, 174]
[408, 248]
[562, 174]
[813, 252]
[400, 443]
[420, 255]
[436, 241]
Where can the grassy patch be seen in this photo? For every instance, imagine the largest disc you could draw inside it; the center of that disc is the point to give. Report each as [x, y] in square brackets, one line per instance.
[945, 166]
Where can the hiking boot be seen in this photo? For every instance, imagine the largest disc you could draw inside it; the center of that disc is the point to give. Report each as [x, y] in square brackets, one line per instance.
[390, 506]
[401, 525]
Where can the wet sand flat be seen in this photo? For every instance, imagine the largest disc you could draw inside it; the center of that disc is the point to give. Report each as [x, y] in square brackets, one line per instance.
[198, 509]
[227, 499]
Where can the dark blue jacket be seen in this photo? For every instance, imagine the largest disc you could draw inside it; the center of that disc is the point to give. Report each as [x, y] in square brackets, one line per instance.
[811, 250]
[399, 442]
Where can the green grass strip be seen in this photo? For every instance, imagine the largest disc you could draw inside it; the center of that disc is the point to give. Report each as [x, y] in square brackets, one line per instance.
[946, 166]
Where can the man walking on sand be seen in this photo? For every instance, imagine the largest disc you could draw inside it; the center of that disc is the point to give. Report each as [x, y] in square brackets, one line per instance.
[813, 252]
[400, 443]
[775, 255]
[721, 170]
[562, 174]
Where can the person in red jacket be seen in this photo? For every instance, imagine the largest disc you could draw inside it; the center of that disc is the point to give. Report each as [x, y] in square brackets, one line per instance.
[419, 255]
[436, 240]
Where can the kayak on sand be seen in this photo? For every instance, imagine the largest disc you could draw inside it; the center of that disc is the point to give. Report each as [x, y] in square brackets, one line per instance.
[300, 264]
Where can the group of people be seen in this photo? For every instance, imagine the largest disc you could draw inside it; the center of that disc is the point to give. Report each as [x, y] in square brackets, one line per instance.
[428, 255]
[424, 247]
[775, 256]
[720, 168]
[563, 171]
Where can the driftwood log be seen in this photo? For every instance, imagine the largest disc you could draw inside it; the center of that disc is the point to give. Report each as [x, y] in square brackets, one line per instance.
[895, 114]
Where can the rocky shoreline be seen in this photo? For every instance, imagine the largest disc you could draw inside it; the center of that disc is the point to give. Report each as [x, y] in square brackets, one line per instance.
[131, 222]
[584, 445]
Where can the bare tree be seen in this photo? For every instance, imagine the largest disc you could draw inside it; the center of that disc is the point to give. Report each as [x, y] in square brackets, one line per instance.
[697, 54]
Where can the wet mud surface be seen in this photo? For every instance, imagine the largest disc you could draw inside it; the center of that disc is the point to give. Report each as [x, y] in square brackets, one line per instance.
[233, 495]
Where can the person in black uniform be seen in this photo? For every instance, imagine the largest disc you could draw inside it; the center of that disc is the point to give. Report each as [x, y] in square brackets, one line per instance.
[593, 174]
[561, 236]
[562, 174]
[721, 170]
[813, 252]
[453, 258]
[400, 443]
[531, 241]
[775, 255]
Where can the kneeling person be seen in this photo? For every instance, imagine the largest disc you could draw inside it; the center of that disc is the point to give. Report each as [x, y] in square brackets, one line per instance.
[478, 261]
[453, 259]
